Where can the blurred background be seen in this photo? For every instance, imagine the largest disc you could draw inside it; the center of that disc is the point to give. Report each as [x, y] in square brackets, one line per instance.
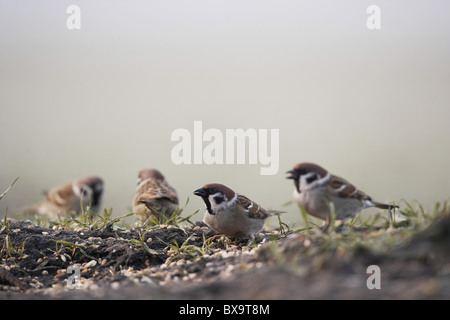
[372, 106]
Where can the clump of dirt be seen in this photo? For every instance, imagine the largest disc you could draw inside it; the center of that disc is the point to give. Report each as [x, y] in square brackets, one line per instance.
[36, 259]
[172, 262]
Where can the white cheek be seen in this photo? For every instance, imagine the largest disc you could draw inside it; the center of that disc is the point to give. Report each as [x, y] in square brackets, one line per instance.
[76, 189]
[218, 207]
[87, 196]
[304, 185]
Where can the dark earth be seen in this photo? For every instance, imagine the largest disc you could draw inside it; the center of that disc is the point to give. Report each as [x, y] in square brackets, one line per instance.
[181, 263]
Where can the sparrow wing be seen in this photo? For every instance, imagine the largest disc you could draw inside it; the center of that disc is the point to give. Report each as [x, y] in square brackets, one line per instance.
[154, 189]
[344, 189]
[62, 196]
[254, 210]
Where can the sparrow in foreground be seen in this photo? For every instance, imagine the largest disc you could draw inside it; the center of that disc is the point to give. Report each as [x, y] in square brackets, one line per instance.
[154, 195]
[316, 189]
[72, 197]
[231, 213]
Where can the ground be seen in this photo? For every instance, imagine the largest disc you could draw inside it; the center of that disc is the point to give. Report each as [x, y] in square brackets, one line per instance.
[186, 261]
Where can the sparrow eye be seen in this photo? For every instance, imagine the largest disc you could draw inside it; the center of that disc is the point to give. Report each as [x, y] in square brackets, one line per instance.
[212, 190]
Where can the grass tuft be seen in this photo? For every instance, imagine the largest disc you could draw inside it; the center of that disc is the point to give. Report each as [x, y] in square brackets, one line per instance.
[160, 218]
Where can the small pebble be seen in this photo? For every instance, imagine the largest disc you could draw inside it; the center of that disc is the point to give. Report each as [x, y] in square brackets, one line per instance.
[115, 285]
[180, 262]
[91, 264]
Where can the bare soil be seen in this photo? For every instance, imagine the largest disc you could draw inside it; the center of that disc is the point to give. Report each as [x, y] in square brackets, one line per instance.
[305, 265]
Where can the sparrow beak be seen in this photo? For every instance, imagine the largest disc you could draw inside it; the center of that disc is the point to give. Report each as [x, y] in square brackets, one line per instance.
[201, 193]
[293, 174]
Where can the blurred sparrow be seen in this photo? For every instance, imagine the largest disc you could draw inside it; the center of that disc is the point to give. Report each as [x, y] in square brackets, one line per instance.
[154, 195]
[316, 189]
[71, 197]
[230, 213]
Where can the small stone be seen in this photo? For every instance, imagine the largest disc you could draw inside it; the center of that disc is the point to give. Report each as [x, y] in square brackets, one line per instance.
[91, 264]
[115, 285]
[180, 262]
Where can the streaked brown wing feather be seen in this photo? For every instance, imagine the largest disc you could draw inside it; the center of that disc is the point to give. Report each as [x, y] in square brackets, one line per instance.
[345, 189]
[153, 189]
[61, 196]
[254, 210]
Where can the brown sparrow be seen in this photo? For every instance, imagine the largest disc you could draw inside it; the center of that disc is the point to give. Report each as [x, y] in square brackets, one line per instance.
[230, 213]
[316, 189]
[154, 195]
[71, 197]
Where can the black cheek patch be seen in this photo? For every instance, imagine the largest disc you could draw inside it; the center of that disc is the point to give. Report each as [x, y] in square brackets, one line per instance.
[218, 199]
[311, 179]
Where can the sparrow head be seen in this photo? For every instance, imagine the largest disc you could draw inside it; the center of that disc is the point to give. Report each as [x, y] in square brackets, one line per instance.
[217, 197]
[90, 189]
[307, 173]
[146, 174]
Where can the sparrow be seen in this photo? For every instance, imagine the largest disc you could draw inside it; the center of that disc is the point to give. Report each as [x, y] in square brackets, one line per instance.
[316, 188]
[72, 197]
[154, 195]
[231, 213]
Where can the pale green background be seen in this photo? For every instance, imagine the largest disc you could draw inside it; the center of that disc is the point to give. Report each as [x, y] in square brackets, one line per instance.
[371, 106]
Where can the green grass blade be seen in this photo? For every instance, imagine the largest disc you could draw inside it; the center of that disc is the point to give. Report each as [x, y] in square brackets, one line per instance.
[4, 193]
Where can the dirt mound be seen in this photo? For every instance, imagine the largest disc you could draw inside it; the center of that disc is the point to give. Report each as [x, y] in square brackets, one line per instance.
[172, 262]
